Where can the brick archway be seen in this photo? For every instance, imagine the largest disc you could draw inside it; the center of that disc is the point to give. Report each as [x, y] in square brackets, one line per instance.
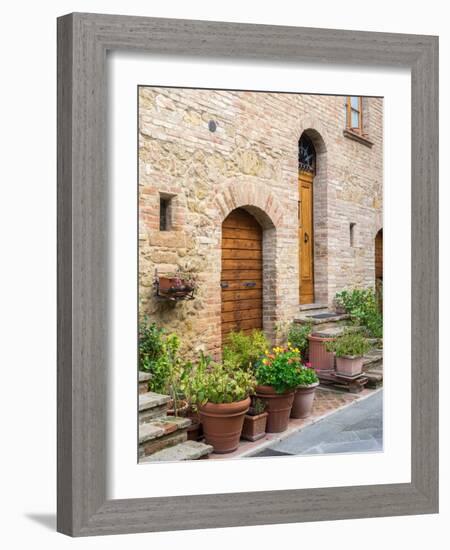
[266, 209]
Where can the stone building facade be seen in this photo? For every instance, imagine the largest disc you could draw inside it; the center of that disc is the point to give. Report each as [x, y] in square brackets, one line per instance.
[204, 154]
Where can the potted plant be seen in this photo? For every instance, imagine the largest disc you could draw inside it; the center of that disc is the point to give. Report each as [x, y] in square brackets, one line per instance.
[305, 392]
[221, 392]
[255, 421]
[277, 377]
[349, 349]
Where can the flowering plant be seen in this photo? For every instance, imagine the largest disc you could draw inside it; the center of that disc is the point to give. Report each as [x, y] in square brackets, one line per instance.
[281, 369]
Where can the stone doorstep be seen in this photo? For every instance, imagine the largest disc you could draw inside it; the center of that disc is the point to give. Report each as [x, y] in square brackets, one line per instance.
[161, 427]
[189, 450]
[248, 448]
[150, 400]
[303, 318]
[313, 307]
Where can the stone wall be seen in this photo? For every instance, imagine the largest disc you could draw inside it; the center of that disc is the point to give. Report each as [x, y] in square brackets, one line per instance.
[251, 161]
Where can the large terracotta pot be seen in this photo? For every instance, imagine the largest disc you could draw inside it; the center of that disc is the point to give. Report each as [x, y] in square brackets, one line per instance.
[303, 401]
[222, 424]
[319, 357]
[349, 366]
[278, 405]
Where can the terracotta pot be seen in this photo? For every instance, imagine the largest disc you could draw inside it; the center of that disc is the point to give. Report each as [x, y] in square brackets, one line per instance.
[303, 401]
[182, 408]
[254, 426]
[222, 424]
[278, 405]
[349, 366]
[195, 431]
[319, 357]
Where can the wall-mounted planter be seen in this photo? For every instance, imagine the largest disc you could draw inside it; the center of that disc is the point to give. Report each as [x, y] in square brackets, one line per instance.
[174, 288]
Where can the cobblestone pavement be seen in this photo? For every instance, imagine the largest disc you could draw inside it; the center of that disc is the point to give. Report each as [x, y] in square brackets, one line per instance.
[356, 429]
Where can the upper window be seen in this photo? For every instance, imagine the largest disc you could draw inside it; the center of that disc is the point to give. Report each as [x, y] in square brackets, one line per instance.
[306, 155]
[354, 114]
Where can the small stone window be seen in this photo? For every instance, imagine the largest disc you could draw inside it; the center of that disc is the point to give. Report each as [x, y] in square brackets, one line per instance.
[352, 234]
[165, 212]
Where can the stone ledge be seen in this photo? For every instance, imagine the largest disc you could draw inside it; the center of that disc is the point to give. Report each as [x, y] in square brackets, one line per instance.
[162, 426]
[356, 137]
[189, 450]
[144, 376]
[150, 400]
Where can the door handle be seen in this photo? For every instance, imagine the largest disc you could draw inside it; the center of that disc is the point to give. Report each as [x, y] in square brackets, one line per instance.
[306, 237]
[224, 284]
[250, 285]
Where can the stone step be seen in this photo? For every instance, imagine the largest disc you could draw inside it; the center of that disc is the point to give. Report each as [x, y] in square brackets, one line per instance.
[333, 331]
[189, 450]
[161, 433]
[312, 307]
[152, 405]
[144, 378]
[372, 358]
[325, 317]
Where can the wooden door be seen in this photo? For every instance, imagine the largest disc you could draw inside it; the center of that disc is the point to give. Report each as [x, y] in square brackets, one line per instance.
[305, 236]
[241, 279]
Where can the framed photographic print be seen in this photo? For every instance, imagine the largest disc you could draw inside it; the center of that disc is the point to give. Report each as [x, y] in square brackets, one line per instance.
[247, 274]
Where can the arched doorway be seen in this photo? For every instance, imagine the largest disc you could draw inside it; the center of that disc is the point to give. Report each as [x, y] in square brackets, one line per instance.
[242, 273]
[306, 172]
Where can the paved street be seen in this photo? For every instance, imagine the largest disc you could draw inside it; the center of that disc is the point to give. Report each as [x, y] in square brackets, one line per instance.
[355, 429]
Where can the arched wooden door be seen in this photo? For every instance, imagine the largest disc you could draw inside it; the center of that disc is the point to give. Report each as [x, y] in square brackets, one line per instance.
[241, 279]
[306, 171]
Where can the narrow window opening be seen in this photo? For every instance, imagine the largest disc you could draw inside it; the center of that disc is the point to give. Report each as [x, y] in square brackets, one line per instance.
[352, 234]
[164, 213]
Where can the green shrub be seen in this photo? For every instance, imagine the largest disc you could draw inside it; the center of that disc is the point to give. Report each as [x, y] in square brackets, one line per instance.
[307, 376]
[280, 369]
[218, 383]
[159, 355]
[151, 344]
[351, 344]
[245, 350]
[362, 305]
[298, 336]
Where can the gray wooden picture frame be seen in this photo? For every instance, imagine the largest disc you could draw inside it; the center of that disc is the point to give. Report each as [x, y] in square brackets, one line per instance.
[83, 41]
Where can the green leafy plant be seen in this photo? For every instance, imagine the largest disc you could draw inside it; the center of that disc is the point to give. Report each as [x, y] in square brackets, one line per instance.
[218, 383]
[159, 355]
[280, 369]
[349, 344]
[151, 344]
[298, 336]
[364, 310]
[244, 350]
[258, 406]
[307, 376]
